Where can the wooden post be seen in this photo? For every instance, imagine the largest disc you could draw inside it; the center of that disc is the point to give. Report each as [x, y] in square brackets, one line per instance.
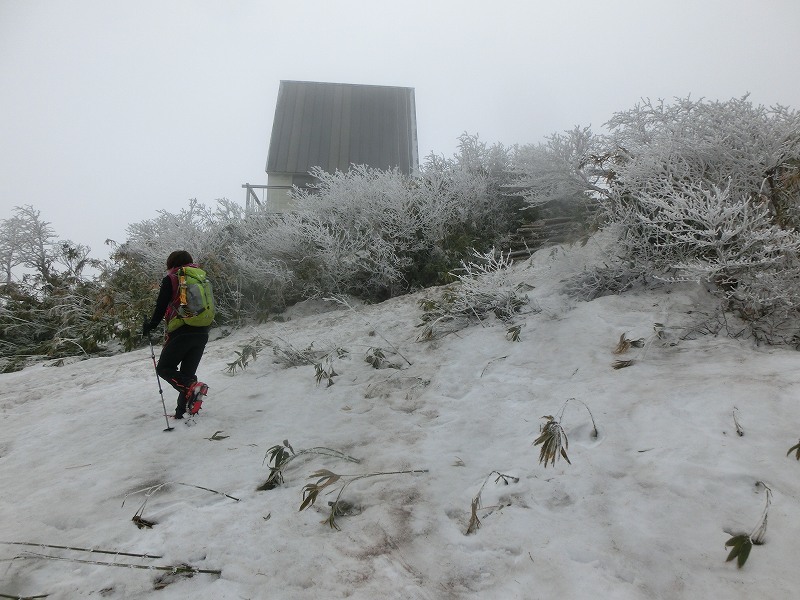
[248, 195]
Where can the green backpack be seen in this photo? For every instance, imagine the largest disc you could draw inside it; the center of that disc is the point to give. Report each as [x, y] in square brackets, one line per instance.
[195, 301]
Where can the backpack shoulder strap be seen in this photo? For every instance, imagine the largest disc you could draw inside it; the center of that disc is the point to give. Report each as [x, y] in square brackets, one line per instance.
[172, 307]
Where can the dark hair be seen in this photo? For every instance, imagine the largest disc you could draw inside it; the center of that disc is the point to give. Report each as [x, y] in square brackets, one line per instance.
[178, 259]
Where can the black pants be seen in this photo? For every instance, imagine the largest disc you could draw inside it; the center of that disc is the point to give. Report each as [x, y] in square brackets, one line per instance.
[185, 347]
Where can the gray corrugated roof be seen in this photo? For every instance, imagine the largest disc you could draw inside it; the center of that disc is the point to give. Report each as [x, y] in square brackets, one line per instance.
[334, 125]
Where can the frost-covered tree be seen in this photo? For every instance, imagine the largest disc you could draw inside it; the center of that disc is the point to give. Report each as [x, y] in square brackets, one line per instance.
[734, 143]
[701, 190]
[377, 233]
[10, 244]
[28, 241]
[77, 320]
[131, 280]
[710, 189]
[265, 249]
[152, 240]
[210, 236]
[566, 168]
[370, 232]
[50, 307]
[359, 230]
[476, 177]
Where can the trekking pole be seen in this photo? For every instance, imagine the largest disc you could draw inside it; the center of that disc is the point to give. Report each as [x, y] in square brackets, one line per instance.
[160, 391]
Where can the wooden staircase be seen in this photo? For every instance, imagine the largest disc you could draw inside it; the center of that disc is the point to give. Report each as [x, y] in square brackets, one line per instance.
[532, 236]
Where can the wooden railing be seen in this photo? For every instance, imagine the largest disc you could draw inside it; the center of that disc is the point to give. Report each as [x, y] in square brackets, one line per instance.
[251, 195]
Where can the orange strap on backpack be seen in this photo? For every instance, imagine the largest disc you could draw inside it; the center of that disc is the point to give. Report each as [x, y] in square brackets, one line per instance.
[182, 288]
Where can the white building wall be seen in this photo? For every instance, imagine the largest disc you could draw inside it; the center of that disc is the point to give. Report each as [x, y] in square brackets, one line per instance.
[278, 198]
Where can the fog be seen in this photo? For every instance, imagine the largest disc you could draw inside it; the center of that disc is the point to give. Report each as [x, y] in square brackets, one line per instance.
[112, 111]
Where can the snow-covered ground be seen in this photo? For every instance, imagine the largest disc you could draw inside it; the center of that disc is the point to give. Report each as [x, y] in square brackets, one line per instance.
[643, 511]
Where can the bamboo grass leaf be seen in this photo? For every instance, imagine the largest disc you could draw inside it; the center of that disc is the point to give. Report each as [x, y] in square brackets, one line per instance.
[474, 521]
[327, 478]
[742, 544]
[623, 345]
[796, 450]
[551, 439]
[310, 493]
[744, 553]
[740, 549]
[621, 364]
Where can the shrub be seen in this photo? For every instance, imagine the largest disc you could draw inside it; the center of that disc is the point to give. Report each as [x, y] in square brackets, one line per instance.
[482, 290]
[694, 190]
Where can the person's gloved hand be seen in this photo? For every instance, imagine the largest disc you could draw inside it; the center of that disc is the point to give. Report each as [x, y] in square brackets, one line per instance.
[145, 327]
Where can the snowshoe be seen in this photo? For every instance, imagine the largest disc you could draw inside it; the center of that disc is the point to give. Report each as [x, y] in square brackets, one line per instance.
[197, 392]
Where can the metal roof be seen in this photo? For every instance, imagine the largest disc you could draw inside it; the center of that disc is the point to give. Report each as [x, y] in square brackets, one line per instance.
[334, 125]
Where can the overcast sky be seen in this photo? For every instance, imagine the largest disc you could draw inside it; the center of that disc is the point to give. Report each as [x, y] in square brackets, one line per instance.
[111, 110]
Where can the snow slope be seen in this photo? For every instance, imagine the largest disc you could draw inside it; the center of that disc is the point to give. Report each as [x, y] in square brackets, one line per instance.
[642, 512]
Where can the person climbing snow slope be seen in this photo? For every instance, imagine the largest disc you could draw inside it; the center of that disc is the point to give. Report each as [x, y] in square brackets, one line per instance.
[186, 330]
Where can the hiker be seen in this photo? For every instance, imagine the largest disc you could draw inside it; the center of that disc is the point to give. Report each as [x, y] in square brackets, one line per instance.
[184, 343]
